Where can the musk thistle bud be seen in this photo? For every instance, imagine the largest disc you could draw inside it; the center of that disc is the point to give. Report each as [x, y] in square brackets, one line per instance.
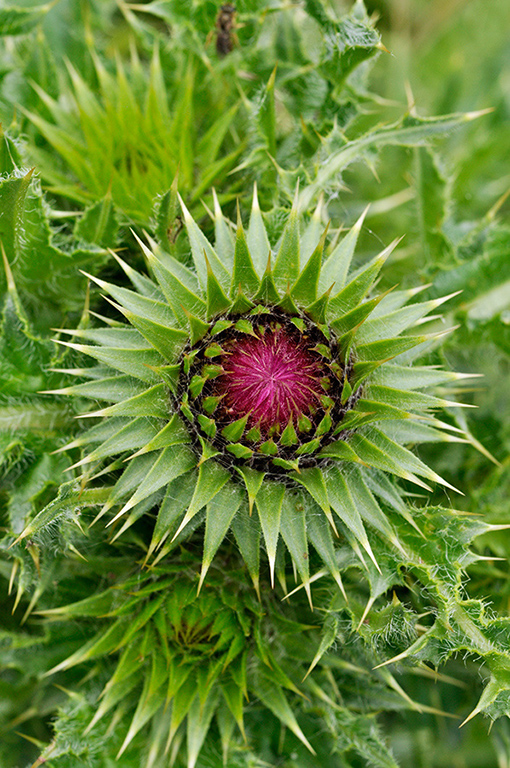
[264, 377]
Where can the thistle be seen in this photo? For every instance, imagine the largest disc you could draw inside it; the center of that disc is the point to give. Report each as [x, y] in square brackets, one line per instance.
[166, 675]
[264, 390]
[179, 659]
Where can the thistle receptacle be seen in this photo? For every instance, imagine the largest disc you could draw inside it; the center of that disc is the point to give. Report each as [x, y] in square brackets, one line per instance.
[261, 379]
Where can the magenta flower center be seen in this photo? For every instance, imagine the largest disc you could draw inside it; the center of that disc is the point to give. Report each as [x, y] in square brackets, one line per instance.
[273, 377]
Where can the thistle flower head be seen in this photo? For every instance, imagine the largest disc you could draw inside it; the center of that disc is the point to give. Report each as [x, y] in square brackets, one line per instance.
[281, 384]
[273, 378]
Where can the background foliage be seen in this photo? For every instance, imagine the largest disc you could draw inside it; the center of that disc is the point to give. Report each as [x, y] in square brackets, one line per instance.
[109, 102]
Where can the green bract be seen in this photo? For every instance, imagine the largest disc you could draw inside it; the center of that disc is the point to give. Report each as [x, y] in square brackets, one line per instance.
[319, 476]
[182, 658]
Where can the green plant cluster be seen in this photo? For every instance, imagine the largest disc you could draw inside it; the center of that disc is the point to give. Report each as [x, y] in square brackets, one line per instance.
[179, 587]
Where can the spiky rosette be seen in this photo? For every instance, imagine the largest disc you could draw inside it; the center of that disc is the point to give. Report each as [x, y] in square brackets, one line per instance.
[261, 378]
[179, 659]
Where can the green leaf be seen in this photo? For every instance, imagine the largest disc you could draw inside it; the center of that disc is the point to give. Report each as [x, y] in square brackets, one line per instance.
[150, 701]
[304, 289]
[247, 534]
[432, 201]
[177, 293]
[177, 498]
[369, 509]
[269, 502]
[349, 41]
[113, 389]
[151, 402]
[312, 234]
[100, 645]
[173, 433]
[319, 534]
[223, 240]
[385, 349]
[341, 500]
[219, 515]
[19, 21]
[358, 287]
[266, 117]
[217, 300]
[99, 224]
[243, 273]
[272, 696]
[267, 292]
[313, 480]
[253, 480]
[293, 530]
[169, 342]
[390, 457]
[258, 241]
[335, 268]
[141, 306]
[210, 480]
[286, 268]
[198, 722]
[131, 478]
[407, 132]
[167, 206]
[347, 326]
[397, 321]
[172, 462]
[329, 637]
[319, 309]
[135, 434]
[134, 362]
[203, 252]
[181, 703]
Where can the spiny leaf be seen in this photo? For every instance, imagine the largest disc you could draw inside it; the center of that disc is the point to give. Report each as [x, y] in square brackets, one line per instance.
[133, 435]
[198, 722]
[409, 131]
[220, 512]
[151, 402]
[173, 433]
[312, 233]
[172, 462]
[268, 501]
[247, 534]
[176, 292]
[210, 480]
[253, 480]
[201, 247]
[267, 292]
[223, 239]
[140, 306]
[342, 502]
[313, 480]
[266, 117]
[243, 273]
[319, 534]
[272, 696]
[350, 296]
[397, 321]
[217, 300]
[168, 341]
[113, 388]
[335, 268]
[258, 241]
[293, 530]
[134, 362]
[304, 289]
[286, 268]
